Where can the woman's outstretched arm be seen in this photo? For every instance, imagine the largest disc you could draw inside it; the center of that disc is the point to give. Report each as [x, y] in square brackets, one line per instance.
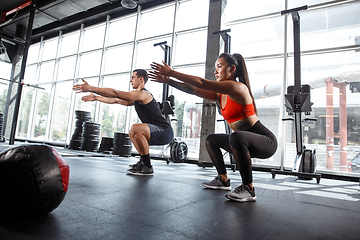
[183, 86]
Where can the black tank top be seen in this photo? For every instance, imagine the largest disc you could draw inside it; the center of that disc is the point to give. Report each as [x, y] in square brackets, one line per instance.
[150, 113]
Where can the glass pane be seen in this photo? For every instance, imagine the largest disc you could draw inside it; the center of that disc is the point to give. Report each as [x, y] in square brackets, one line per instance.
[93, 38]
[300, 3]
[194, 8]
[81, 106]
[24, 112]
[30, 74]
[4, 85]
[122, 31]
[5, 70]
[118, 59]
[157, 22]
[90, 64]
[66, 68]
[266, 37]
[69, 44]
[334, 80]
[147, 53]
[47, 72]
[59, 120]
[328, 28]
[113, 116]
[266, 78]
[85, 106]
[49, 49]
[41, 113]
[236, 9]
[188, 114]
[191, 48]
[33, 54]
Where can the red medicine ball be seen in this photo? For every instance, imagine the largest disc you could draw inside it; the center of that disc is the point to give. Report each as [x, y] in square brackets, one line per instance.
[33, 180]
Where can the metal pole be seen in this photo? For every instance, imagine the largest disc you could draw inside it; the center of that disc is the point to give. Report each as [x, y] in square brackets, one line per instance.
[297, 82]
[282, 126]
[167, 58]
[22, 73]
[167, 61]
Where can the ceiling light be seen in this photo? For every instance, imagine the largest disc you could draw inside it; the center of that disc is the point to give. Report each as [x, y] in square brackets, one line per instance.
[129, 4]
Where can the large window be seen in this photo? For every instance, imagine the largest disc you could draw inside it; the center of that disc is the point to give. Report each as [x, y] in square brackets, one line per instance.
[113, 116]
[4, 83]
[106, 54]
[330, 58]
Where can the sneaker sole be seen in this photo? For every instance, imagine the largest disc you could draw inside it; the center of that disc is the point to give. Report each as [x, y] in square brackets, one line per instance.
[249, 199]
[139, 173]
[217, 188]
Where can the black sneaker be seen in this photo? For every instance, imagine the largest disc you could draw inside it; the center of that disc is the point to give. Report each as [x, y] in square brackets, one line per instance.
[218, 183]
[242, 194]
[135, 165]
[141, 169]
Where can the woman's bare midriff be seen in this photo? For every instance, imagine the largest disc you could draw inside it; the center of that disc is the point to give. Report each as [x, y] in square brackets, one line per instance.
[243, 124]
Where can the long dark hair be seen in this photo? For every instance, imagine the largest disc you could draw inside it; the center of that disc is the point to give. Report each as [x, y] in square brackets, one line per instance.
[241, 72]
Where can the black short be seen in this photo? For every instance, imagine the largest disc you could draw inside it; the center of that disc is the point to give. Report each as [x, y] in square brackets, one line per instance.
[160, 135]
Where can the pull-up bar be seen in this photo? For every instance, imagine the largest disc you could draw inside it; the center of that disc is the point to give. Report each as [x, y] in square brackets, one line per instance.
[226, 37]
[293, 10]
[166, 105]
[21, 83]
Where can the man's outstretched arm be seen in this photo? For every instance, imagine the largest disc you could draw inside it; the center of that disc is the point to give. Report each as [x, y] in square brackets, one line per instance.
[92, 97]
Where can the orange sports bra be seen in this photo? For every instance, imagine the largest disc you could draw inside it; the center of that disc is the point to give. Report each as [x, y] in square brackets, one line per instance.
[234, 111]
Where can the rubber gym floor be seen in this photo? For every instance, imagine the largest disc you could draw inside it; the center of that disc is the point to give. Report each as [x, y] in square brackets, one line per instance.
[103, 202]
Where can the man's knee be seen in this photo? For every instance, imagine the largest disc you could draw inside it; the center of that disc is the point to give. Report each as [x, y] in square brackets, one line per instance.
[139, 130]
[133, 130]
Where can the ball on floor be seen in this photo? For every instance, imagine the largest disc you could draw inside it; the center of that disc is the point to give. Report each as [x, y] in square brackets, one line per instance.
[34, 180]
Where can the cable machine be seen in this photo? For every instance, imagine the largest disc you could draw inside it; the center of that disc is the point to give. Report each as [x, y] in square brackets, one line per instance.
[297, 101]
[178, 148]
[227, 43]
[25, 43]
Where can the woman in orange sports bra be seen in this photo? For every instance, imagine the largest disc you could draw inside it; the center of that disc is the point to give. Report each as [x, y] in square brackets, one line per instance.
[250, 137]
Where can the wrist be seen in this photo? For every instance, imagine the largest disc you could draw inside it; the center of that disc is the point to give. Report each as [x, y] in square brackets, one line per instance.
[168, 80]
[90, 89]
[172, 73]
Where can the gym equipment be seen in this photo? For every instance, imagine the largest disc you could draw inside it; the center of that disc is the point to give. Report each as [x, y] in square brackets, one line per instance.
[33, 180]
[227, 43]
[90, 137]
[81, 116]
[166, 105]
[2, 138]
[21, 74]
[122, 145]
[297, 100]
[106, 144]
[178, 151]
[23, 84]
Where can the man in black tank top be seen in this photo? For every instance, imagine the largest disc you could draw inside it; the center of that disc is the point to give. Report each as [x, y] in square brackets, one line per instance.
[154, 129]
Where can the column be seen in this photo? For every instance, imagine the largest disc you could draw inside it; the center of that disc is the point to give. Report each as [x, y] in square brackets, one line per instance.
[329, 124]
[208, 120]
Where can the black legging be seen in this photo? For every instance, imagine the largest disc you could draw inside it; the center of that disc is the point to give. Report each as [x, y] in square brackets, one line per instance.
[257, 141]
